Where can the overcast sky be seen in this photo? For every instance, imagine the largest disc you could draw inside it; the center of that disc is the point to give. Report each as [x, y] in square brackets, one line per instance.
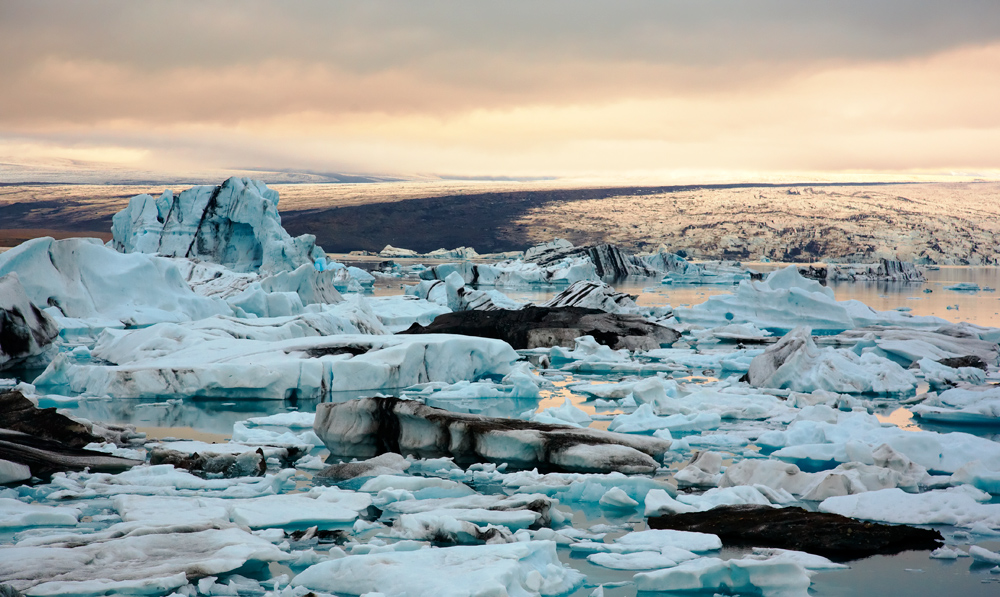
[756, 88]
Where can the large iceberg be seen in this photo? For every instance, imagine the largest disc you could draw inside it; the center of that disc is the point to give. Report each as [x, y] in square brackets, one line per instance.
[785, 300]
[81, 278]
[172, 361]
[235, 224]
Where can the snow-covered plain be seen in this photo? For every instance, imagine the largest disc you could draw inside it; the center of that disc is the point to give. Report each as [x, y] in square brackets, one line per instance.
[776, 394]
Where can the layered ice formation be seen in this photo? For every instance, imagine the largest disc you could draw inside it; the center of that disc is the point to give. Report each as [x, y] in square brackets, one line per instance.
[785, 300]
[235, 224]
[175, 361]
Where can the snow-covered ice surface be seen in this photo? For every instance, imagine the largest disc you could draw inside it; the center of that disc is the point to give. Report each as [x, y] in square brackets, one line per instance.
[858, 417]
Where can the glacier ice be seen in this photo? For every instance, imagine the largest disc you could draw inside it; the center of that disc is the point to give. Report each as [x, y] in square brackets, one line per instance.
[520, 569]
[796, 363]
[235, 224]
[170, 361]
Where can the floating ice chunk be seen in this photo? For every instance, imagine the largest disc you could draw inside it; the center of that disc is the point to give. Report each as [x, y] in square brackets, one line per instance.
[258, 436]
[421, 487]
[235, 224]
[660, 503]
[702, 574]
[580, 487]
[769, 577]
[400, 312]
[170, 361]
[148, 560]
[640, 560]
[980, 405]
[81, 278]
[958, 506]
[942, 376]
[513, 569]
[981, 554]
[355, 428]
[808, 561]
[948, 553]
[13, 472]
[566, 414]
[847, 479]
[15, 513]
[785, 300]
[294, 420]
[290, 512]
[856, 434]
[617, 498]
[515, 272]
[588, 349]
[440, 527]
[979, 476]
[704, 470]
[678, 545]
[725, 496]
[796, 363]
[163, 480]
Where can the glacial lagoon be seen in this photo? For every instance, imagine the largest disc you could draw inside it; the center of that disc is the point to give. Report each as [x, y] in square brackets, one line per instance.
[912, 573]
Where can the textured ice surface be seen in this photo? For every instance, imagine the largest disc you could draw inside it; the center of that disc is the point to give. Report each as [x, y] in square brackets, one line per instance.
[852, 436]
[979, 405]
[148, 560]
[516, 569]
[960, 506]
[785, 300]
[16, 514]
[796, 363]
[516, 273]
[81, 278]
[235, 224]
[171, 361]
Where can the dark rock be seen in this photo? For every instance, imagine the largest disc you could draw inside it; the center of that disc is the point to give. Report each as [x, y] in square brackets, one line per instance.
[830, 535]
[229, 466]
[389, 463]
[966, 361]
[813, 273]
[534, 327]
[372, 426]
[17, 413]
[45, 457]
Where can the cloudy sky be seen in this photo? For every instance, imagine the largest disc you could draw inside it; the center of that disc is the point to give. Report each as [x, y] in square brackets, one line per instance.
[693, 88]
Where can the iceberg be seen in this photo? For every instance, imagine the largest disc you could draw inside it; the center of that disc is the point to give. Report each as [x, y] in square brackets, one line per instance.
[171, 361]
[959, 506]
[796, 363]
[81, 278]
[521, 569]
[785, 300]
[235, 224]
[147, 560]
[369, 426]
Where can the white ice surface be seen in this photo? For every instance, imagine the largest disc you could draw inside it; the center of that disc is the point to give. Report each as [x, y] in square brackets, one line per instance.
[515, 569]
